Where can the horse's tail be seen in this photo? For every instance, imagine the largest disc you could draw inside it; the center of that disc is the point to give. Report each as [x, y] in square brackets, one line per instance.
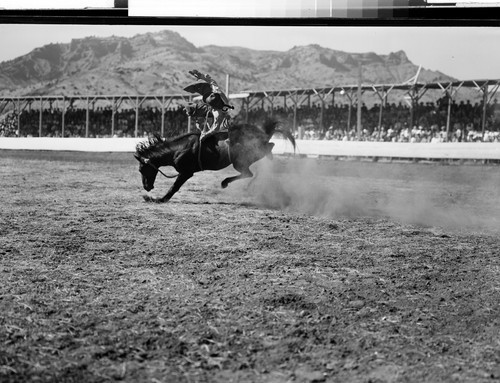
[288, 135]
[271, 127]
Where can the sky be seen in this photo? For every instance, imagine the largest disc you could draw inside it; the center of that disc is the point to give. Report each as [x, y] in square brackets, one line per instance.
[465, 53]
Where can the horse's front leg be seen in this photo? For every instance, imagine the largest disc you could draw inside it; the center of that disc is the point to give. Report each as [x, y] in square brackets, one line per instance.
[179, 181]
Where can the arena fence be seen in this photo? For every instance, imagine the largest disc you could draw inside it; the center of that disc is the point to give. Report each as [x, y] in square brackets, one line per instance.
[335, 149]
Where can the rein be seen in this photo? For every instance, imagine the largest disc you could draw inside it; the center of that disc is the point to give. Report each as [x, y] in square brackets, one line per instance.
[158, 170]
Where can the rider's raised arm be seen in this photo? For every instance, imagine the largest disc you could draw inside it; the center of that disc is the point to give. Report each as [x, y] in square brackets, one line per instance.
[205, 77]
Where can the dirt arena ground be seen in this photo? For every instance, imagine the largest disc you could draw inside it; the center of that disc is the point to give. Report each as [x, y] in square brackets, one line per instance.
[317, 271]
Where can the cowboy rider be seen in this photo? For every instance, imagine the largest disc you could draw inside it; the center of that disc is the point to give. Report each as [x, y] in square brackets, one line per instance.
[214, 100]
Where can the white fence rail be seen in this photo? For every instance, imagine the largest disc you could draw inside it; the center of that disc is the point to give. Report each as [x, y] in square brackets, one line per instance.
[452, 150]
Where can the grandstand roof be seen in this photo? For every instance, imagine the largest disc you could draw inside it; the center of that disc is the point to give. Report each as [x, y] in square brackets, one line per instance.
[408, 86]
[442, 85]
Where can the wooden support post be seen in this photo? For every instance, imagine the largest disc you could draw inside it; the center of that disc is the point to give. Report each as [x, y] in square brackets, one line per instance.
[360, 80]
[486, 99]
[412, 115]
[246, 104]
[321, 115]
[448, 117]
[164, 107]
[40, 118]
[136, 133]
[189, 117]
[63, 116]
[350, 97]
[382, 95]
[18, 107]
[349, 119]
[449, 93]
[295, 100]
[380, 119]
[87, 118]
[415, 95]
[294, 117]
[113, 114]
[162, 129]
[271, 100]
[485, 106]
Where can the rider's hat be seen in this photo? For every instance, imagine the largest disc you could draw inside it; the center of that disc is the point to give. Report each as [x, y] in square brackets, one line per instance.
[216, 102]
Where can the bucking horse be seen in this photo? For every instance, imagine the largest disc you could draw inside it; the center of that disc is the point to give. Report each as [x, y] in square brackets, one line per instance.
[242, 145]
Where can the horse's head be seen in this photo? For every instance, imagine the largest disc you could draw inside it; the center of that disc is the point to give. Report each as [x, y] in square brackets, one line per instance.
[148, 172]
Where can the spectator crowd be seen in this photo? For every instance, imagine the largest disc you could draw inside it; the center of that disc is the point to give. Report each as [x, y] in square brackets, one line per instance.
[429, 122]
[99, 122]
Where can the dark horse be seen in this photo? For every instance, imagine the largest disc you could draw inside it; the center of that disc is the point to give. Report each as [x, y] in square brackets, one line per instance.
[246, 145]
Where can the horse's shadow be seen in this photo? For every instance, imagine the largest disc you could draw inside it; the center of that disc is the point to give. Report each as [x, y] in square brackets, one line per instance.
[245, 204]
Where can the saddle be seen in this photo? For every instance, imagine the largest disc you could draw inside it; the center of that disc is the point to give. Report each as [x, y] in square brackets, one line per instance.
[211, 139]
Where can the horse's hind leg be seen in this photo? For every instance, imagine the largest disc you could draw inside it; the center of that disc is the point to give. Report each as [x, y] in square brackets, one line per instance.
[245, 173]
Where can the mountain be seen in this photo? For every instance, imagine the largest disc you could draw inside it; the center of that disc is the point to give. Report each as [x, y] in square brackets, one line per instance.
[158, 63]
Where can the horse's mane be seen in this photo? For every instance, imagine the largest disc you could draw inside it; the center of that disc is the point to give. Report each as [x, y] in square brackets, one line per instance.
[154, 142]
[145, 147]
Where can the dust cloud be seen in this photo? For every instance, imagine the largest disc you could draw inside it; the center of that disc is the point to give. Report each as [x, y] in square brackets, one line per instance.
[452, 197]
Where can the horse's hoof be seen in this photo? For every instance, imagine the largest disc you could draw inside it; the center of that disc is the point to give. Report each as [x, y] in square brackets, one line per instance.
[148, 198]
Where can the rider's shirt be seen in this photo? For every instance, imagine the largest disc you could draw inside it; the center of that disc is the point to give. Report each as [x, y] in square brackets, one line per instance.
[213, 99]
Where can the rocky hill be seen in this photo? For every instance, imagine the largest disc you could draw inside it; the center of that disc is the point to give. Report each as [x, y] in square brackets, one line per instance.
[157, 63]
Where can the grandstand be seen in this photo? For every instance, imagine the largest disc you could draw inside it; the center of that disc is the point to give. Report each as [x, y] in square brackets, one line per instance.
[313, 113]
